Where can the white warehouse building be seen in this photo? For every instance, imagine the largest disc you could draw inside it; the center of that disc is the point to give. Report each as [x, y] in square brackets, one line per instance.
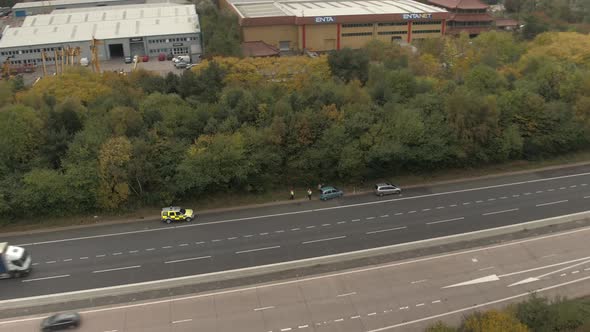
[125, 30]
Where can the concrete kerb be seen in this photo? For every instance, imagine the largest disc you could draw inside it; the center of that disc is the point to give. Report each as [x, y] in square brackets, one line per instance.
[283, 266]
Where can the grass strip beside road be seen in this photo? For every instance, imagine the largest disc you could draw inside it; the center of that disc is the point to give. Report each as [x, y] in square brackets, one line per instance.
[279, 196]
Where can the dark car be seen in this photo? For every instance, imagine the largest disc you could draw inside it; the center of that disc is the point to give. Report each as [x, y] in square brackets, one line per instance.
[329, 192]
[128, 59]
[60, 322]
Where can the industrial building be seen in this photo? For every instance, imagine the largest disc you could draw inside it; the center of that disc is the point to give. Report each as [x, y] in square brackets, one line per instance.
[324, 25]
[466, 16]
[118, 31]
[23, 9]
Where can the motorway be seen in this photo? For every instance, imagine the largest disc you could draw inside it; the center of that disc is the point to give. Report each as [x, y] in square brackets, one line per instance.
[402, 296]
[87, 258]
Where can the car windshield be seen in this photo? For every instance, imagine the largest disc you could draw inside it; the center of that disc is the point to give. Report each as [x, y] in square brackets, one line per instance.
[183, 211]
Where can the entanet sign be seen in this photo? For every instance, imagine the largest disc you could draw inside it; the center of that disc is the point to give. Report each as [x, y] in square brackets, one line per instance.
[325, 19]
[416, 16]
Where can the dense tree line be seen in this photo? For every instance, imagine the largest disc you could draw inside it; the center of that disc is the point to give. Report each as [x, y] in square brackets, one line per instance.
[81, 142]
[536, 314]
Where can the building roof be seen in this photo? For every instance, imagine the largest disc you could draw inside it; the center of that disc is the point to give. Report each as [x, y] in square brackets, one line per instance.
[506, 22]
[259, 48]
[471, 18]
[54, 3]
[319, 8]
[459, 4]
[62, 27]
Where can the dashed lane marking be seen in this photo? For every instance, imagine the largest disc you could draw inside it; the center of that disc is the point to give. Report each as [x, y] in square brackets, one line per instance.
[259, 249]
[182, 321]
[386, 230]
[187, 259]
[347, 294]
[323, 240]
[264, 308]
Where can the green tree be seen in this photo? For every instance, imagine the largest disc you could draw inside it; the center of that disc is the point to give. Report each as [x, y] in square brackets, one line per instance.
[221, 32]
[492, 321]
[440, 327]
[348, 64]
[20, 136]
[114, 157]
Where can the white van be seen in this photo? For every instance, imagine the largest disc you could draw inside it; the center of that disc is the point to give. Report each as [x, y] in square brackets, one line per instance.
[182, 58]
[84, 62]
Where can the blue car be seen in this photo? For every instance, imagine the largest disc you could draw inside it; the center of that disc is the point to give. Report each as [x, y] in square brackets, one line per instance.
[329, 192]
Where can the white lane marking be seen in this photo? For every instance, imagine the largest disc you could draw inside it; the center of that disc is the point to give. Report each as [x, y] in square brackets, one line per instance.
[187, 259]
[339, 320]
[446, 220]
[290, 282]
[50, 262]
[399, 213]
[46, 278]
[67, 260]
[486, 268]
[587, 269]
[547, 256]
[280, 231]
[286, 329]
[453, 205]
[322, 240]
[586, 196]
[386, 230]
[419, 281]
[496, 212]
[436, 301]
[232, 238]
[166, 247]
[150, 249]
[341, 222]
[545, 267]
[325, 225]
[526, 194]
[370, 218]
[183, 245]
[491, 199]
[355, 317]
[583, 185]
[200, 242]
[419, 304]
[466, 203]
[307, 211]
[182, 321]
[296, 229]
[347, 294]
[118, 269]
[117, 253]
[384, 216]
[413, 211]
[573, 186]
[112, 331]
[83, 257]
[563, 274]
[259, 249]
[100, 256]
[310, 227]
[248, 235]
[562, 188]
[551, 203]
[216, 240]
[35, 264]
[303, 326]
[264, 308]
[574, 272]
[472, 307]
[503, 197]
[515, 196]
[372, 314]
[440, 207]
[424, 210]
[133, 251]
[551, 189]
[478, 201]
[538, 191]
[265, 233]
[404, 308]
[355, 220]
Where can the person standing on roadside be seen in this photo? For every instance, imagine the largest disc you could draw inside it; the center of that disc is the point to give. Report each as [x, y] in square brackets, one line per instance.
[292, 193]
[309, 193]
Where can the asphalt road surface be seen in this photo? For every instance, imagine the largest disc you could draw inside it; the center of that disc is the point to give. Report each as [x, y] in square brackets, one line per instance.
[122, 254]
[402, 296]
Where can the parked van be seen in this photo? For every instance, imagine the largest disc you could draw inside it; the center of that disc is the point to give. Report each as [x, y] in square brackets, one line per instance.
[182, 58]
[84, 62]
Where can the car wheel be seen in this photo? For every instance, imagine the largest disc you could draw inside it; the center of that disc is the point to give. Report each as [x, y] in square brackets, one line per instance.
[189, 219]
[168, 221]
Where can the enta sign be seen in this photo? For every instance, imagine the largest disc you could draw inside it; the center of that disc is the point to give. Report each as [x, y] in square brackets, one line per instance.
[325, 19]
[416, 16]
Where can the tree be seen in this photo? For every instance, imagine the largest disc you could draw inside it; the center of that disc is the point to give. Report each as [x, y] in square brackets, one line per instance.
[113, 158]
[348, 64]
[492, 321]
[20, 136]
[485, 80]
[440, 327]
[221, 32]
[533, 26]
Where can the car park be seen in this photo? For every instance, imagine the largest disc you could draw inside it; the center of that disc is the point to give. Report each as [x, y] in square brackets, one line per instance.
[382, 189]
[60, 322]
[175, 213]
[329, 192]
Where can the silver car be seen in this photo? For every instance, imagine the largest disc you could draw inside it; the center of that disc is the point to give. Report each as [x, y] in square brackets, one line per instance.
[387, 189]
